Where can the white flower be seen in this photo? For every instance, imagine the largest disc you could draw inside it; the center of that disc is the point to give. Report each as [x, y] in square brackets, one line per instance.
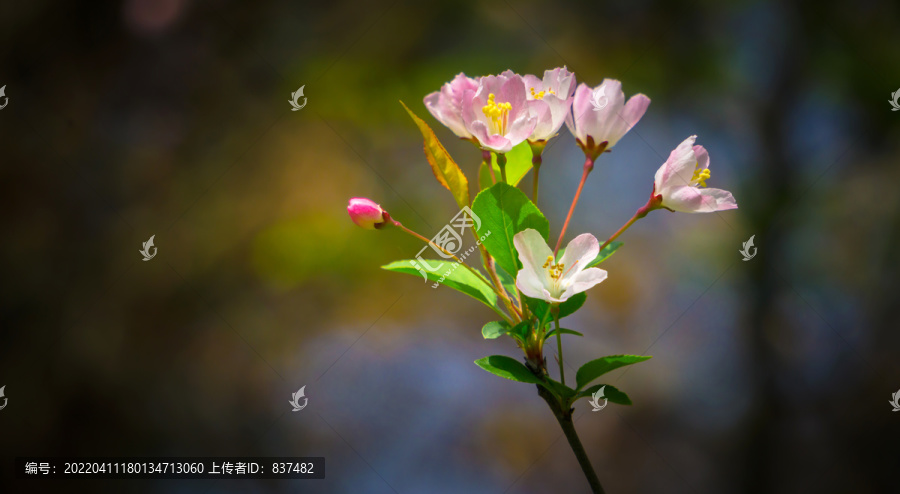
[543, 278]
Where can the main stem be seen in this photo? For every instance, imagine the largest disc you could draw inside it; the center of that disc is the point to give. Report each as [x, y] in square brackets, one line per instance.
[562, 373]
[564, 417]
[536, 162]
[588, 166]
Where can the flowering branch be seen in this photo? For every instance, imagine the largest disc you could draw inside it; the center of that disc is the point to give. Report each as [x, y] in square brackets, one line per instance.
[498, 113]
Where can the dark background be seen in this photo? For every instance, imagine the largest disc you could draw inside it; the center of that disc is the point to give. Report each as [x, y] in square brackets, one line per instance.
[170, 118]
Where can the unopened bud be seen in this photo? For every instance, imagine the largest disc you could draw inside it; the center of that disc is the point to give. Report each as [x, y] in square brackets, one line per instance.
[365, 213]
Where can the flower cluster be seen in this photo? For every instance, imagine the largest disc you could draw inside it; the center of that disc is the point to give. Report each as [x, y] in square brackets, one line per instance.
[528, 284]
[498, 112]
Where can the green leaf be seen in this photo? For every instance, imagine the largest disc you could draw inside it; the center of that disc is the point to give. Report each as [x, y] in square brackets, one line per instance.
[520, 331]
[445, 169]
[563, 331]
[459, 278]
[518, 164]
[596, 368]
[611, 393]
[508, 368]
[540, 308]
[606, 252]
[505, 211]
[494, 329]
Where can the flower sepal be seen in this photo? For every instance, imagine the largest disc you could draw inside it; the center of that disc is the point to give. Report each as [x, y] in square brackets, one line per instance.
[592, 149]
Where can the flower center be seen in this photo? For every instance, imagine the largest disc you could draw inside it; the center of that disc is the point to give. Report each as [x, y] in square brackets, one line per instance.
[498, 113]
[700, 176]
[540, 95]
[556, 270]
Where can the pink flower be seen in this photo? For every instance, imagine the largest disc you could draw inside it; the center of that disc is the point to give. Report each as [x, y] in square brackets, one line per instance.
[551, 101]
[497, 112]
[679, 182]
[446, 104]
[600, 116]
[365, 213]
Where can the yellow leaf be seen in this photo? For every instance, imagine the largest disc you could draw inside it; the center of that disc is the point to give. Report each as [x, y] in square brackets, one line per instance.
[445, 169]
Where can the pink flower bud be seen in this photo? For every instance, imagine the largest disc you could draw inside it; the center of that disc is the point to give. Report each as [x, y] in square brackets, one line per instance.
[365, 213]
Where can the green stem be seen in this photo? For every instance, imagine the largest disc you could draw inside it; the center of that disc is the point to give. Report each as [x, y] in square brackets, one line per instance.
[564, 417]
[543, 323]
[501, 163]
[562, 373]
[537, 153]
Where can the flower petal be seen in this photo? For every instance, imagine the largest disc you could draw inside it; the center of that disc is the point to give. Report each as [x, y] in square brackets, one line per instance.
[513, 92]
[697, 200]
[533, 251]
[604, 124]
[521, 128]
[541, 110]
[561, 81]
[494, 142]
[532, 82]
[581, 105]
[678, 169]
[628, 117]
[579, 253]
[584, 280]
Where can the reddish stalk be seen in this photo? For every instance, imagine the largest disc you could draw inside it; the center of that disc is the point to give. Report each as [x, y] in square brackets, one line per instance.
[588, 166]
[486, 157]
[652, 204]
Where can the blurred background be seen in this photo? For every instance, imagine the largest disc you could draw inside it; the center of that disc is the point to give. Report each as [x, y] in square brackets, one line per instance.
[171, 118]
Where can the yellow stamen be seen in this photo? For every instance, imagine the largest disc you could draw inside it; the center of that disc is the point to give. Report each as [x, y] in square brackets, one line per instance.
[498, 113]
[700, 176]
[541, 94]
[555, 270]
